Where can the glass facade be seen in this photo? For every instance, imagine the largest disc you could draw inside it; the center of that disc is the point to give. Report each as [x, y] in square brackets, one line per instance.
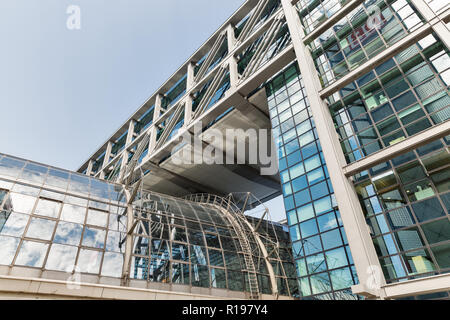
[56, 220]
[360, 35]
[183, 242]
[407, 202]
[323, 260]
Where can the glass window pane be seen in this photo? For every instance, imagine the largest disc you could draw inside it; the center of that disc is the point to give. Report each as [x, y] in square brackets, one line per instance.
[11, 167]
[94, 237]
[200, 276]
[336, 258]
[15, 224]
[112, 265]
[437, 231]
[73, 213]
[235, 281]
[41, 229]
[327, 222]
[306, 212]
[180, 273]
[47, 208]
[22, 203]
[139, 268]
[331, 239]
[8, 249]
[215, 257]
[409, 239]
[418, 262]
[308, 228]
[113, 241]
[97, 218]
[218, 278]
[320, 283]
[400, 218]
[58, 179]
[442, 255]
[89, 261]
[341, 278]
[428, 209]
[316, 263]
[68, 233]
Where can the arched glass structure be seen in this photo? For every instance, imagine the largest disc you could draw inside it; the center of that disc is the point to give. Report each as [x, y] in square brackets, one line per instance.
[55, 222]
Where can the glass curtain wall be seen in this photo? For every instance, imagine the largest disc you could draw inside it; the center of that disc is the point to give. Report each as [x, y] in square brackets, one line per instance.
[55, 220]
[178, 241]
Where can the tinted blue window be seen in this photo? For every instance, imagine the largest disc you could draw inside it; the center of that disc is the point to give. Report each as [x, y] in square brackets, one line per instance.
[309, 150]
[291, 146]
[299, 183]
[282, 164]
[294, 158]
[312, 245]
[319, 190]
[302, 197]
[327, 222]
[331, 239]
[289, 203]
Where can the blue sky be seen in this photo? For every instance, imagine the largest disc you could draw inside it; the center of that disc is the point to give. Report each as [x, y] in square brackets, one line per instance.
[64, 92]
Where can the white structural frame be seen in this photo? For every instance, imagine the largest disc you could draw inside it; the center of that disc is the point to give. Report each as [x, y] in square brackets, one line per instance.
[360, 242]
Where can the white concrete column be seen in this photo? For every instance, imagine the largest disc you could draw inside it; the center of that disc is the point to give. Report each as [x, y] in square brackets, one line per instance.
[232, 63]
[188, 110]
[234, 74]
[130, 132]
[153, 128]
[106, 159]
[230, 38]
[357, 231]
[158, 104]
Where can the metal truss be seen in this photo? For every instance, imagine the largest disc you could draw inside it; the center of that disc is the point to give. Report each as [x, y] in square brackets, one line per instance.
[252, 21]
[263, 47]
[172, 119]
[211, 90]
[233, 206]
[210, 58]
[127, 177]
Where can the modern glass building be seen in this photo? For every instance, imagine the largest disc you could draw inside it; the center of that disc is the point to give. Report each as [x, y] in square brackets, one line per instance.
[356, 97]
